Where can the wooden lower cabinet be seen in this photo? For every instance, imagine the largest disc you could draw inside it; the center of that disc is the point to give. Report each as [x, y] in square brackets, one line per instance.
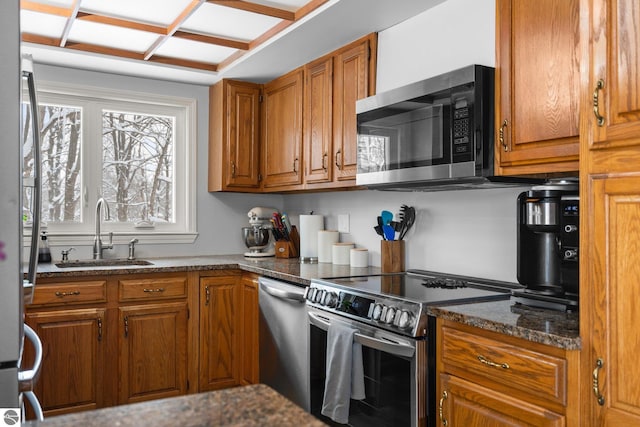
[487, 379]
[152, 351]
[466, 404]
[219, 332]
[249, 338]
[72, 373]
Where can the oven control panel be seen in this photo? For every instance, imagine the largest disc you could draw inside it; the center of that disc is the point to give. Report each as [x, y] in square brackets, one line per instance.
[394, 315]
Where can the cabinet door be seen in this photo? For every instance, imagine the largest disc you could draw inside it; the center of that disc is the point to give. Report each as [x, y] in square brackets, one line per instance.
[234, 136]
[282, 131]
[72, 373]
[318, 131]
[465, 404]
[610, 290]
[351, 82]
[249, 332]
[242, 134]
[537, 86]
[219, 340]
[615, 47]
[153, 351]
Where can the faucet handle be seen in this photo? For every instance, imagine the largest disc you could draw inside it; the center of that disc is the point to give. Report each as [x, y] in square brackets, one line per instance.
[110, 245]
[132, 248]
[65, 254]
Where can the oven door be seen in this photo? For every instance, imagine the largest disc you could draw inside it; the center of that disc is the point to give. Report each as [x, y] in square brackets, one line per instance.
[395, 374]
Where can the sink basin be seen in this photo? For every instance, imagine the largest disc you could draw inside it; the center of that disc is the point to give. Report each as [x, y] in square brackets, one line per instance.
[114, 262]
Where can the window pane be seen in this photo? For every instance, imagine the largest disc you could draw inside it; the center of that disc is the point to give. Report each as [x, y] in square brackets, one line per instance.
[138, 169]
[60, 145]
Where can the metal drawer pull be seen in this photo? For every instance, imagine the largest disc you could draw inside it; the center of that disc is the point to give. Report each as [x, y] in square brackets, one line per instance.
[444, 397]
[67, 294]
[501, 135]
[486, 361]
[596, 102]
[596, 381]
[154, 290]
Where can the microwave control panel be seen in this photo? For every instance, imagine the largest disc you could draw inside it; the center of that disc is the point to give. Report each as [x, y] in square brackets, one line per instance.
[462, 128]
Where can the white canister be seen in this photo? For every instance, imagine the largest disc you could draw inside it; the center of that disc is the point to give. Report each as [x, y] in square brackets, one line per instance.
[340, 253]
[359, 257]
[326, 239]
[309, 227]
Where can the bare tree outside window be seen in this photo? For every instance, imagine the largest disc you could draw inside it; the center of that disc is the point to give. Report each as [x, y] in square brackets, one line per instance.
[138, 166]
[60, 147]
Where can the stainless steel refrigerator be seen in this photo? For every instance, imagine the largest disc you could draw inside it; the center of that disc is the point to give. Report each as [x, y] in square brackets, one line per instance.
[17, 278]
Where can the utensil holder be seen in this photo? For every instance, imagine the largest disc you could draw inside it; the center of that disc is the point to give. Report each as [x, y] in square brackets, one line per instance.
[392, 256]
[289, 248]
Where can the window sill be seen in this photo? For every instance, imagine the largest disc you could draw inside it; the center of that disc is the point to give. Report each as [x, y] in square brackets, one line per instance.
[145, 238]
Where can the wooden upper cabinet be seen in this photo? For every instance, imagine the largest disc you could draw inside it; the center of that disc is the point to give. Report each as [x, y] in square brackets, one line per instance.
[614, 79]
[234, 136]
[318, 110]
[537, 86]
[282, 131]
[352, 81]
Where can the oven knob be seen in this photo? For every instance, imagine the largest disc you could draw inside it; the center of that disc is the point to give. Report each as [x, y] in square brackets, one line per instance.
[390, 315]
[330, 299]
[406, 320]
[311, 293]
[377, 312]
[318, 296]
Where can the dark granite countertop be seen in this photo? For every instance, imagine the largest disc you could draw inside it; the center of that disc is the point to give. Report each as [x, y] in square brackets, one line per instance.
[554, 328]
[544, 326]
[289, 269]
[253, 405]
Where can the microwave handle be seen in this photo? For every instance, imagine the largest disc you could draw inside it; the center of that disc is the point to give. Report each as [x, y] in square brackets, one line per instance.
[387, 346]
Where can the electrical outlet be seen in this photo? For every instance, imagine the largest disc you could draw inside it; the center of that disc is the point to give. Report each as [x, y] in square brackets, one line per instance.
[343, 223]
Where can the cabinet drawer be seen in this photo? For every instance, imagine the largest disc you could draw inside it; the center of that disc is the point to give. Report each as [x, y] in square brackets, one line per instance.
[504, 366]
[152, 289]
[70, 293]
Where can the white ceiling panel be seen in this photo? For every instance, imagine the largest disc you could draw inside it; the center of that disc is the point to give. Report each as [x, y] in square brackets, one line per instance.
[194, 51]
[111, 36]
[150, 11]
[41, 24]
[228, 22]
[59, 3]
[290, 5]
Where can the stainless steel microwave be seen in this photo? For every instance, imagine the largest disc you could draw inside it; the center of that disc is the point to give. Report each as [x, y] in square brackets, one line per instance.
[433, 134]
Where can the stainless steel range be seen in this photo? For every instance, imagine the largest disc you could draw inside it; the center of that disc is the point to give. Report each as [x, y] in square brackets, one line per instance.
[389, 314]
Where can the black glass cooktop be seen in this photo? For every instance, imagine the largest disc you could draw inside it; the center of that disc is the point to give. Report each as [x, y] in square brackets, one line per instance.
[426, 287]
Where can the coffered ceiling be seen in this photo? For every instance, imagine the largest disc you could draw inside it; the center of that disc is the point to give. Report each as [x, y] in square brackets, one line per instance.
[200, 40]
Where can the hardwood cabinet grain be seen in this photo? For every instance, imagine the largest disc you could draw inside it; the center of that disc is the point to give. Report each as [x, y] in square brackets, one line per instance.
[249, 328]
[281, 151]
[73, 360]
[489, 379]
[234, 136]
[610, 200]
[537, 86]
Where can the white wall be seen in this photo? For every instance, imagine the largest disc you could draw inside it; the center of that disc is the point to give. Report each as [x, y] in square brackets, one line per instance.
[220, 217]
[471, 232]
[451, 35]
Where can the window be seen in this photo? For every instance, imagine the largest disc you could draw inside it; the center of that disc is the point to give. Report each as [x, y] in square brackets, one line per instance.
[134, 150]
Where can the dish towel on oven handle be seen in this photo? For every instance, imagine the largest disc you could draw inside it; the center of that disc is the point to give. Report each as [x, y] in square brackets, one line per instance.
[344, 375]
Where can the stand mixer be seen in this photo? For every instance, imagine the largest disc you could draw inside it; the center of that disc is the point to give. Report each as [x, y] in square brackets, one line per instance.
[257, 236]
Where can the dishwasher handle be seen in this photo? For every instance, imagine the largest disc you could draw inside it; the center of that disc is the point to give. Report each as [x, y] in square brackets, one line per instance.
[385, 345]
[282, 294]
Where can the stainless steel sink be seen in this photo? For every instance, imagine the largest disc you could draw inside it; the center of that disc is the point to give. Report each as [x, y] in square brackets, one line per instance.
[114, 262]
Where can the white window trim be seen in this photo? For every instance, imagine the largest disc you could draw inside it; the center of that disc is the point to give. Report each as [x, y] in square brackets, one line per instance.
[185, 204]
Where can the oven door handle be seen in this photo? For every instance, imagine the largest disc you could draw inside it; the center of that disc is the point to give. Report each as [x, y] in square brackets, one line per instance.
[386, 345]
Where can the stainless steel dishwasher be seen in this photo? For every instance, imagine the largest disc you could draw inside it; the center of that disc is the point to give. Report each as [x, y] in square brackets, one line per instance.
[284, 340]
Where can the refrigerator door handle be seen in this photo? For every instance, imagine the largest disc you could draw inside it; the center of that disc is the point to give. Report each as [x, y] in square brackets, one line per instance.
[27, 378]
[35, 405]
[27, 65]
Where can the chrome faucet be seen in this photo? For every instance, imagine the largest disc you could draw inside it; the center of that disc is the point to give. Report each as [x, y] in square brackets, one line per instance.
[98, 246]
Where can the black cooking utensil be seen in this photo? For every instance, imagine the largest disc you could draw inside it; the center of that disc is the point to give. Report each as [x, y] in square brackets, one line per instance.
[409, 219]
[378, 229]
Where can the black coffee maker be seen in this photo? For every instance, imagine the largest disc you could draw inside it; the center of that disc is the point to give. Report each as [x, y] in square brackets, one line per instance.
[548, 244]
